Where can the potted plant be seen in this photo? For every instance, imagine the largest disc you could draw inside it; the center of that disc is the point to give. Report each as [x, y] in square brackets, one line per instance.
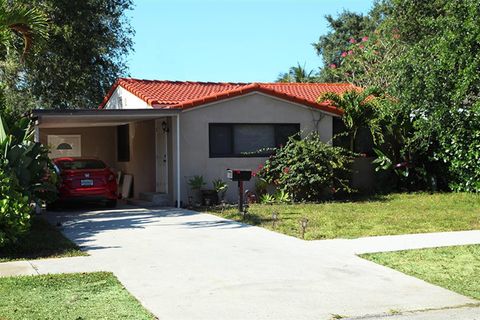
[196, 183]
[220, 188]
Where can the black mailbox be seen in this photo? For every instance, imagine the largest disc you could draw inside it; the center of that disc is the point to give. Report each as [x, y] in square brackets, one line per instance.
[239, 174]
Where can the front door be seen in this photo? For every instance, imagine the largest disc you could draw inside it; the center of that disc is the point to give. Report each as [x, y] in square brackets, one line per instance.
[161, 154]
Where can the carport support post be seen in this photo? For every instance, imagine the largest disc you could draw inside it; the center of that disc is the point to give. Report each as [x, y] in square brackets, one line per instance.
[240, 196]
[178, 162]
[36, 138]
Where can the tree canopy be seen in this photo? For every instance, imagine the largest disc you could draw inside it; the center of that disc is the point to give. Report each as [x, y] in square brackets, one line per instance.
[76, 65]
[424, 56]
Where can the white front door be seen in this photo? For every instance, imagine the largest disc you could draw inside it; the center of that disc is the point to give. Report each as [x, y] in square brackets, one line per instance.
[161, 154]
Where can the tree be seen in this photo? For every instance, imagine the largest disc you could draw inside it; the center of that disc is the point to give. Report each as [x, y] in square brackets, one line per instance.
[22, 162]
[361, 110]
[297, 74]
[348, 25]
[15, 18]
[438, 84]
[347, 29]
[84, 54]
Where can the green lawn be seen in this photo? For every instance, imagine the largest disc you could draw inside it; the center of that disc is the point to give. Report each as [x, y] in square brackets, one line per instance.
[42, 241]
[386, 215]
[78, 296]
[455, 268]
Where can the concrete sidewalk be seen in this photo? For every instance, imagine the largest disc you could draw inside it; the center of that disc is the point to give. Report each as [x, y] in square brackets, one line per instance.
[403, 242]
[186, 265]
[460, 313]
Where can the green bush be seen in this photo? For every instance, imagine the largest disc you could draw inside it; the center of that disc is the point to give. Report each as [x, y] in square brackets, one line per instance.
[24, 168]
[308, 169]
[27, 160]
[14, 209]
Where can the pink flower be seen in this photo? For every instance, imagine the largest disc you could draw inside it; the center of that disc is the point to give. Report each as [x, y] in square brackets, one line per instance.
[260, 166]
[286, 170]
[350, 52]
[361, 46]
[254, 174]
[352, 40]
[333, 65]
[364, 39]
[344, 54]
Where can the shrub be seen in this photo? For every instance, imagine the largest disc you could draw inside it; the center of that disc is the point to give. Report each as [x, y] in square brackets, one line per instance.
[282, 197]
[14, 209]
[220, 187]
[267, 198]
[24, 168]
[196, 182]
[308, 169]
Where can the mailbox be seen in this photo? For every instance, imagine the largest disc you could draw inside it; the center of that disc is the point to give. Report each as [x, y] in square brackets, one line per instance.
[239, 174]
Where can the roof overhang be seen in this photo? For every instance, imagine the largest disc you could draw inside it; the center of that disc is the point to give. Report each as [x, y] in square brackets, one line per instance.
[95, 117]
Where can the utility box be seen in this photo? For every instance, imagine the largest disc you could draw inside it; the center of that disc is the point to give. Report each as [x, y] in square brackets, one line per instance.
[239, 174]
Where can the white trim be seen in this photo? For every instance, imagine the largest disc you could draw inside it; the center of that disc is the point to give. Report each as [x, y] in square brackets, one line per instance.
[123, 99]
[260, 93]
[178, 162]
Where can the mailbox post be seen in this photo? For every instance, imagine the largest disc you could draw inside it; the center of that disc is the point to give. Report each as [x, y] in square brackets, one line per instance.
[239, 175]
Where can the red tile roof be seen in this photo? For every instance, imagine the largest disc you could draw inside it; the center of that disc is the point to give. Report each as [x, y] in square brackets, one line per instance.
[184, 95]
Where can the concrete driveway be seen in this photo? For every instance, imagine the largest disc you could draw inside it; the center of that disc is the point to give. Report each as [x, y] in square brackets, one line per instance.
[186, 265]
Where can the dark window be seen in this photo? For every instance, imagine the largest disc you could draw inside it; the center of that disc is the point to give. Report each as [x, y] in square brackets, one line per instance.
[248, 140]
[221, 139]
[123, 143]
[81, 164]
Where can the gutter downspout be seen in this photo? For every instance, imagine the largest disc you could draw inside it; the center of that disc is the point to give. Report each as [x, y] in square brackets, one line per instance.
[178, 162]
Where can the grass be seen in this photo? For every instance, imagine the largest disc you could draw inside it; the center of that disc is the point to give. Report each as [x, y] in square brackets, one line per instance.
[42, 241]
[386, 215]
[456, 268]
[78, 296]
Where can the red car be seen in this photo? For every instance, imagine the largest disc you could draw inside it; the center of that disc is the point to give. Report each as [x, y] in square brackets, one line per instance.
[85, 179]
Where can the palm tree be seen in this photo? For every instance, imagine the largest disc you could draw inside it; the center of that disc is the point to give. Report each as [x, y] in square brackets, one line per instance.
[361, 110]
[17, 19]
[297, 74]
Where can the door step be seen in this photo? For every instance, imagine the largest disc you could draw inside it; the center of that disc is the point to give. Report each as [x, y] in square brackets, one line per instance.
[150, 199]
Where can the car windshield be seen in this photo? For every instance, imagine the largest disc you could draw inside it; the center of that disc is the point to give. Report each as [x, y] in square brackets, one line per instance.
[81, 165]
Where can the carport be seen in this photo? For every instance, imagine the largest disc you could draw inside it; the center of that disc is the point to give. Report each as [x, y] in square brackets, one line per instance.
[141, 142]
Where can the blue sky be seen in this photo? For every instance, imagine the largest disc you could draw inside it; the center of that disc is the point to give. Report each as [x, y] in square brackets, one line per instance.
[229, 40]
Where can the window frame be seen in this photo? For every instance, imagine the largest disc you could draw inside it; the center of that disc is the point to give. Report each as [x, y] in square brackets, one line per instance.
[232, 138]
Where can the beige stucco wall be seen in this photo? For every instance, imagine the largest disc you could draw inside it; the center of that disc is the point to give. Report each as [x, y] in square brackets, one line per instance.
[96, 141]
[142, 157]
[253, 108]
[101, 143]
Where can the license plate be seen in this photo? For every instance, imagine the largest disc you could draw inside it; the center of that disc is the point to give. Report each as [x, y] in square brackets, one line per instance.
[86, 182]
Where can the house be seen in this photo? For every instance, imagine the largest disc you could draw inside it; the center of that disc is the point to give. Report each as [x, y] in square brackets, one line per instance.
[165, 132]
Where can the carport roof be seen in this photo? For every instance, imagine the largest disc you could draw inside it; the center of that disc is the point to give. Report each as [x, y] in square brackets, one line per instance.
[95, 117]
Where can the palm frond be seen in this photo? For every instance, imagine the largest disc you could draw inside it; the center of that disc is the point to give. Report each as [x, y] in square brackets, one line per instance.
[28, 22]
